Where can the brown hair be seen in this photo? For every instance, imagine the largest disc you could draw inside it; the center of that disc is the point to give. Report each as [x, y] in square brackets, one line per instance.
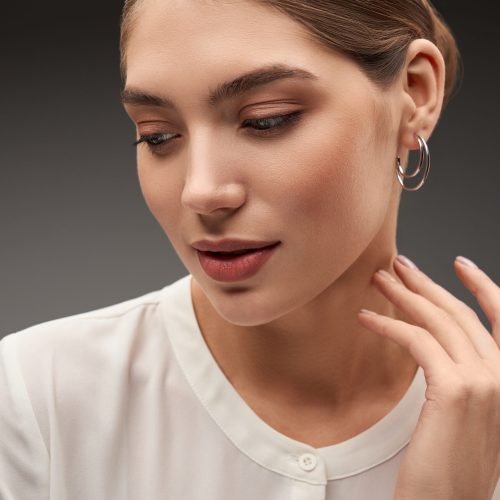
[376, 34]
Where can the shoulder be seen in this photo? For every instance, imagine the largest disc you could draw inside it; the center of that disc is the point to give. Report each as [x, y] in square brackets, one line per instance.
[78, 349]
[108, 335]
[75, 346]
[57, 367]
[87, 328]
[115, 344]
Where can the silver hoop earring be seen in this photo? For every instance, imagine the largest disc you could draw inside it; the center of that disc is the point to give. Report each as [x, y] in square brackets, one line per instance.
[423, 162]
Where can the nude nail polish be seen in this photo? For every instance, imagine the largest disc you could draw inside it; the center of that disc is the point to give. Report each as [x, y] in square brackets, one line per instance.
[466, 262]
[406, 262]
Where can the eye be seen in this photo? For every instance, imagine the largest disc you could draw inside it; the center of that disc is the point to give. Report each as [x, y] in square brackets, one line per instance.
[154, 141]
[269, 124]
[157, 143]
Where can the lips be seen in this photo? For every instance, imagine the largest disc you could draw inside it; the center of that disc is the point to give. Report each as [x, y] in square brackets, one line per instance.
[230, 267]
[236, 253]
[230, 254]
[231, 245]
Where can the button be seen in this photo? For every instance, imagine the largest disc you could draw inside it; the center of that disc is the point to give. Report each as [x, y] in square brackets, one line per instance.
[308, 461]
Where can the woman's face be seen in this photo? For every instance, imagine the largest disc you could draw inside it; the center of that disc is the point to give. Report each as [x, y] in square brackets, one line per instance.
[323, 184]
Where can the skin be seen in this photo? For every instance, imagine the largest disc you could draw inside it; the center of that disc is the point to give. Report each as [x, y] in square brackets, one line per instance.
[290, 339]
[454, 452]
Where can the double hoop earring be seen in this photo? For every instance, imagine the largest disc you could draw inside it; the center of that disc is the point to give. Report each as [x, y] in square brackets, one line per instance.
[424, 163]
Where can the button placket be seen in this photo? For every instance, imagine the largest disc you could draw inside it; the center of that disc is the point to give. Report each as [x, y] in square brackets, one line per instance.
[308, 461]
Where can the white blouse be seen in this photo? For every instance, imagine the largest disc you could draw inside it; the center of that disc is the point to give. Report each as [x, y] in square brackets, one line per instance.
[126, 403]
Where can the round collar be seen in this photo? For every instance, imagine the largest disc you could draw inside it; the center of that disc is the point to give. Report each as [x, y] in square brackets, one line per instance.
[254, 437]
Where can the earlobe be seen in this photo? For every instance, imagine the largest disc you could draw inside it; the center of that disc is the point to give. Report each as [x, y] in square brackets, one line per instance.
[423, 82]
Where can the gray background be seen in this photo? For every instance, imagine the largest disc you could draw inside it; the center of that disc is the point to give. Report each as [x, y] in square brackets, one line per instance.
[75, 232]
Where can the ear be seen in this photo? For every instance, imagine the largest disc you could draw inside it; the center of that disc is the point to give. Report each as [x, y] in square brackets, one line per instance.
[423, 80]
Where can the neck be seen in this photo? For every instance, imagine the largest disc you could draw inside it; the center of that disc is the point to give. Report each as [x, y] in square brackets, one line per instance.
[317, 354]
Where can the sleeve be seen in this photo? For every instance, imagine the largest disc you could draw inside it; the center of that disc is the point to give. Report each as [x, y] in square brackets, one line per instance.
[24, 458]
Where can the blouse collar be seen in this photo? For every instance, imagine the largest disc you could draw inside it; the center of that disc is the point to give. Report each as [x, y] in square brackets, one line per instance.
[254, 437]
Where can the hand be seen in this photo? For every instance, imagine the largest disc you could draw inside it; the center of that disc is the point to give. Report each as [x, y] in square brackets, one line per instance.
[454, 452]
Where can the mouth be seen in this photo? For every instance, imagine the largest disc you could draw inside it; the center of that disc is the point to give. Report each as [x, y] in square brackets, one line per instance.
[237, 265]
[229, 255]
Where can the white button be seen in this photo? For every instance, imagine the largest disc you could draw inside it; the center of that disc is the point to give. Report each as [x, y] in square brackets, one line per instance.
[308, 461]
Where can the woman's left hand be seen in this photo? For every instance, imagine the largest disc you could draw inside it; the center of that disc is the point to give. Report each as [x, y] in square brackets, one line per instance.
[454, 452]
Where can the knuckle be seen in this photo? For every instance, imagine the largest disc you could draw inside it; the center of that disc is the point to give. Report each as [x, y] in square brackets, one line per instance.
[465, 310]
[385, 329]
[496, 310]
[417, 285]
[495, 386]
[418, 337]
[495, 322]
[472, 388]
[439, 317]
[442, 315]
[486, 391]
[461, 391]
[420, 331]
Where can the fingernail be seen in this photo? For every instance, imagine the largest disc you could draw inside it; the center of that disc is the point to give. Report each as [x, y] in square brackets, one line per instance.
[406, 262]
[386, 275]
[367, 311]
[466, 262]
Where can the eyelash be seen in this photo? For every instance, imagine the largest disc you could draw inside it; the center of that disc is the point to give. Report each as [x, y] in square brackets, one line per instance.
[157, 141]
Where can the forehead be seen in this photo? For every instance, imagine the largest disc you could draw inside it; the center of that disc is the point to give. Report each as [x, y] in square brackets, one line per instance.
[180, 49]
[196, 37]
[181, 21]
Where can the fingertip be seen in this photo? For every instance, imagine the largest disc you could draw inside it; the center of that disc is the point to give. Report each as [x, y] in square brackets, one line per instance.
[405, 261]
[368, 312]
[465, 262]
[468, 273]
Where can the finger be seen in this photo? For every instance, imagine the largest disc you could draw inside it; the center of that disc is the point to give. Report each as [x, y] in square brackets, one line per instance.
[430, 317]
[424, 348]
[486, 292]
[417, 281]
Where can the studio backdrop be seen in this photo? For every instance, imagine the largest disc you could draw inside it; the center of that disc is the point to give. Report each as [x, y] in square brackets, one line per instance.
[75, 232]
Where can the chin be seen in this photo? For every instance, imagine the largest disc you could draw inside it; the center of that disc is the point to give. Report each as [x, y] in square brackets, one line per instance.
[242, 312]
[242, 306]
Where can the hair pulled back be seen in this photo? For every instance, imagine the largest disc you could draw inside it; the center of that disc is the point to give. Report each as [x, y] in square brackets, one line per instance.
[374, 33]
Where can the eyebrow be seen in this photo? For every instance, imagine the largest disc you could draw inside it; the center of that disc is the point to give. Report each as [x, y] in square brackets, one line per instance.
[223, 91]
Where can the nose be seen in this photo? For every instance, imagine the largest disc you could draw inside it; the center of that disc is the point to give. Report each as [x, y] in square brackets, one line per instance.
[211, 183]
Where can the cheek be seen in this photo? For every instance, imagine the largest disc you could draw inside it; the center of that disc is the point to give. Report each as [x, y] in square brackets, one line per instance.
[327, 184]
[332, 192]
[161, 194]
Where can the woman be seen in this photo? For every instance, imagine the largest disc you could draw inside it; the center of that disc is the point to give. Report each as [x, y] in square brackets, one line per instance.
[278, 125]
